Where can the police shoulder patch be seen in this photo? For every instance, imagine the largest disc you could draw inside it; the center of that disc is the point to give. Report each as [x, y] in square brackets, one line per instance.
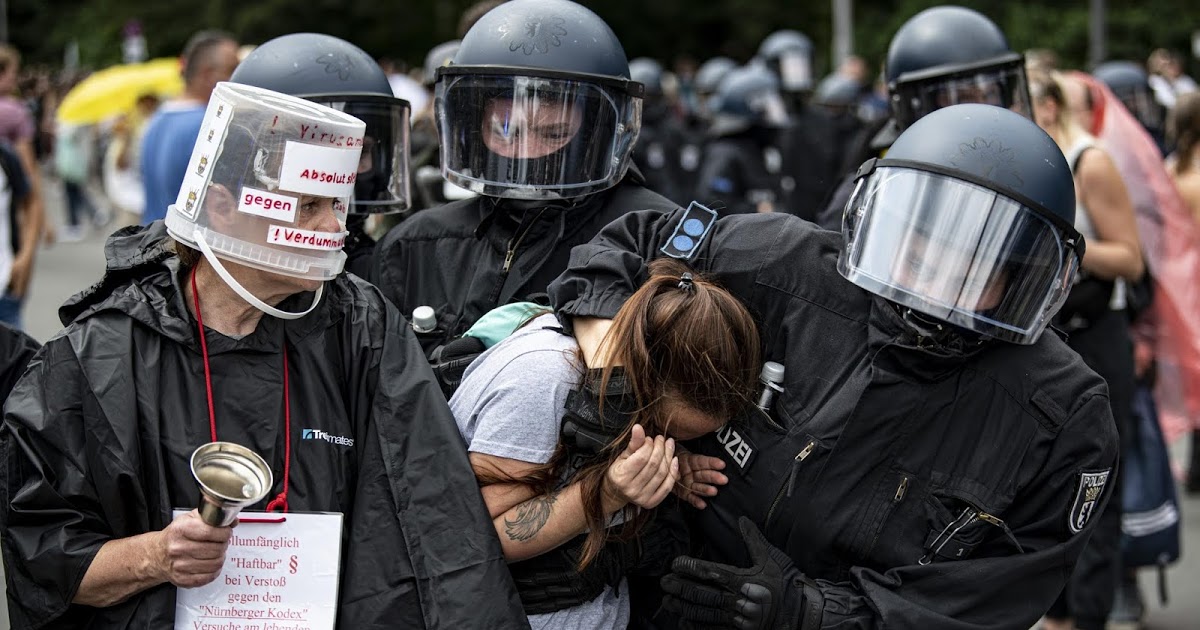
[1090, 488]
[690, 232]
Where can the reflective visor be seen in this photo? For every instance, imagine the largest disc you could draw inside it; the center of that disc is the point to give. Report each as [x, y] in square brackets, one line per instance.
[534, 138]
[383, 179]
[956, 252]
[1001, 85]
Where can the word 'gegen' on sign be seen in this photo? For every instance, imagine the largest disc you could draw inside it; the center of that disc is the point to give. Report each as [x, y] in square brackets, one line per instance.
[267, 204]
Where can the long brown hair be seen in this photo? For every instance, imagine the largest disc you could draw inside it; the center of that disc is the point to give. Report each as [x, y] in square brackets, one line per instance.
[1183, 128]
[679, 342]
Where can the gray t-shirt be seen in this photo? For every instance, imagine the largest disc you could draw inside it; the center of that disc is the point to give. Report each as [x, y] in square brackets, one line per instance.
[510, 404]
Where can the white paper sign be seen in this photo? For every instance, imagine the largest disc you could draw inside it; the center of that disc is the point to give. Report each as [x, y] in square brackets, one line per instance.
[277, 576]
[212, 135]
[306, 239]
[322, 171]
[268, 204]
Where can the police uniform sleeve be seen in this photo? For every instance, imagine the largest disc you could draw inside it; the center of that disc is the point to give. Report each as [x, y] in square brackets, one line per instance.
[999, 586]
[602, 274]
[52, 520]
[423, 551]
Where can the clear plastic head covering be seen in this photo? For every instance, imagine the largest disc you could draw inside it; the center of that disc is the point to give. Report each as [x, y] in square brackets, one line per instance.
[382, 186]
[957, 252]
[1003, 84]
[269, 182]
[534, 137]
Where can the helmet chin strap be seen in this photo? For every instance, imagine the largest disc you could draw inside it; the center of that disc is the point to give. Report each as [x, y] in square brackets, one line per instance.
[245, 294]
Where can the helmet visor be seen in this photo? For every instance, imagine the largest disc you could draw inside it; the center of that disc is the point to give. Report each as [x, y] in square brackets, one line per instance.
[534, 138]
[1002, 86]
[383, 181]
[795, 71]
[956, 252]
[1141, 103]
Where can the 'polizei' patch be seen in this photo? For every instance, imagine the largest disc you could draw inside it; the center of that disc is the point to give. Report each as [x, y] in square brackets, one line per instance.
[1087, 498]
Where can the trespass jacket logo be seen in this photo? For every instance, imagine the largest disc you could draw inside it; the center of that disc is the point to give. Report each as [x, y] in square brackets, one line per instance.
[317, 434]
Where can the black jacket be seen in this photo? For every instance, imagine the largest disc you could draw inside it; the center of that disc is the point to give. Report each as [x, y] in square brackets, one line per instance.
[658, 153]
[16, 349]
[734, 174]
[98, 435]
[468, 257]
[882, 439]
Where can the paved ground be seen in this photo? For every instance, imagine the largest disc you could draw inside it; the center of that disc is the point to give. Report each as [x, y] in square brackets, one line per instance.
[67, 268]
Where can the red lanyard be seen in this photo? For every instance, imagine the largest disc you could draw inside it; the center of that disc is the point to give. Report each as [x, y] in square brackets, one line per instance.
[280, 501]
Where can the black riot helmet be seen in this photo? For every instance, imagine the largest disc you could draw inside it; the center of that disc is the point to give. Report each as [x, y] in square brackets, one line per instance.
[649, 73]
[438, 56]
[748, 97]
[338, 74]
[1129, 82]
[789, 54]
[968, 220]
[948, 55]
[838, 93]
[538, 104]
[709, 75]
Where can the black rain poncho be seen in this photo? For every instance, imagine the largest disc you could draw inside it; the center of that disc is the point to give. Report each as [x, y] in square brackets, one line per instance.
[98, 434]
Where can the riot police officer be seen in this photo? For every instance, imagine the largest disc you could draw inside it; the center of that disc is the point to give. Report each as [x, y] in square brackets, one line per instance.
[338, 74]
[1130, 83]
[538, 116]
[704, 86]
[809, 156]
[939, 57]
[933, 460]
[741, 166]
[840, 98]
[430, 189]
[658, 151]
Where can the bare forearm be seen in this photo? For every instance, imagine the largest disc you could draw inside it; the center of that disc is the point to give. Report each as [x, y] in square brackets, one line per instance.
[24, 150]
[32, 221]
[121, 569]
[543, 523]
[33, 213]
[1111, 260]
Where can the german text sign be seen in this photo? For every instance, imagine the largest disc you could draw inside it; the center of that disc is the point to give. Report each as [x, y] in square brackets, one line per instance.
[277, 576]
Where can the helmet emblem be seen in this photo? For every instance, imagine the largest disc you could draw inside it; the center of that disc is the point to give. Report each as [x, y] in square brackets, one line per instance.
[336, 63]
[534, 34]
[991, 160]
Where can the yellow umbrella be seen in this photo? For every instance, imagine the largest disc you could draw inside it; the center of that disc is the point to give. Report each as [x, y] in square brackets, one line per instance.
[115, 90]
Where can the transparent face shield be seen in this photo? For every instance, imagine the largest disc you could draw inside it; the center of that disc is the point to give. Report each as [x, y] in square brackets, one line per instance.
[534, 138]
[382, 186]
[269, 183]
[795, 71]
[956, 252]
[1142, 104]
[1004, 86]
[765, 109]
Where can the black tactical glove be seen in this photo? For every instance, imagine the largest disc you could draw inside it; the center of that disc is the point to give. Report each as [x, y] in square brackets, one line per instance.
[769, 595]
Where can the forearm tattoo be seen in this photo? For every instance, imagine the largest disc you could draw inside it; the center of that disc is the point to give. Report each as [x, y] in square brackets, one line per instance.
[531, 517]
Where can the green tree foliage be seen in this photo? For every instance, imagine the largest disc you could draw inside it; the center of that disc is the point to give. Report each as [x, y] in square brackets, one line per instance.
[666, 29]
